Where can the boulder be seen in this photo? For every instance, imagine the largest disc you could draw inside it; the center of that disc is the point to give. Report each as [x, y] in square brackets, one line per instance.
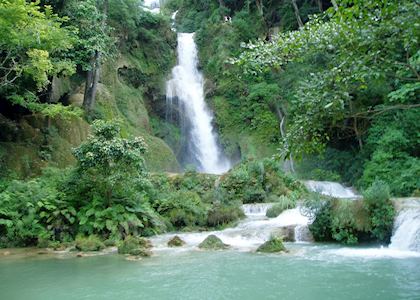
[212, 242]
[176, 241]
[273, 245]
[136, 246]
[286, 233]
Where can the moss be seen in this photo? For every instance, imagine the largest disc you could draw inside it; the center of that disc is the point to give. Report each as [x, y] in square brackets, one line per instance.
[136, 246]
[212, 242]
[90, 243]
[176, 241]
[273, 245]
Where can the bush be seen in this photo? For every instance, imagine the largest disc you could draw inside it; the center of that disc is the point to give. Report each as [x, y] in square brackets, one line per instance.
[377, 202]
[90, 243]
[220, 215]
[282, 204]
[256, 181]
[183, 209]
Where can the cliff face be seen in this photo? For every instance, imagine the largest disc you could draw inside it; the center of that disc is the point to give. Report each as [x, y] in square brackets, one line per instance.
[131, 87]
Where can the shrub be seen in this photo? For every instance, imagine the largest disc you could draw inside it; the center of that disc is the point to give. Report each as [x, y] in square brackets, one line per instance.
[183, 209]
[220, 215]
[282, 204]
[380, 209]
[90, 243]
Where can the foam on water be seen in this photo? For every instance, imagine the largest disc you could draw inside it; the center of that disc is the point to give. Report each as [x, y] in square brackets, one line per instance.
[247, 236]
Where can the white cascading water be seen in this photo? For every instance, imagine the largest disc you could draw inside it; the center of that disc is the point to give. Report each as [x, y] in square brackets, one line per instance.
[333, 189]
[407, 229]
[186, 87]
[248, 235]
[152, 5]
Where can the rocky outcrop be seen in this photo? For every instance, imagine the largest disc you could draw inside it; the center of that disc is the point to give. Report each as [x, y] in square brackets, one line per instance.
[176, 241]
[273, 245]
[212, 242]
[135, 246]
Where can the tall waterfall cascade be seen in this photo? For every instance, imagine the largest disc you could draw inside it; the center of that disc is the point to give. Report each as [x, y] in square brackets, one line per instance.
[185, 97]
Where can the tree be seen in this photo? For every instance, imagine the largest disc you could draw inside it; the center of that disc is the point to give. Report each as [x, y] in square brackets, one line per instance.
[94, 44]
[33, 42]
[348, 49]
[110, 161]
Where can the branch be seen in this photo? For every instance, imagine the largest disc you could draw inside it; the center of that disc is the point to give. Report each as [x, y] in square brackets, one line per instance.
[376, 112]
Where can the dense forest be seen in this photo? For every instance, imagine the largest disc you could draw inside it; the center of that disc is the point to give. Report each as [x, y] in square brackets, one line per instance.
[300, 89]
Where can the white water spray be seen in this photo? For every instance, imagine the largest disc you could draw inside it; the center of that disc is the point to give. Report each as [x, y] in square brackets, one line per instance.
[185, 91]
[248, 235]
[407, 230]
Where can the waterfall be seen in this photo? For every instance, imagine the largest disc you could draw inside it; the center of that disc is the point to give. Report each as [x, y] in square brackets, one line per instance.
[256, 209]
[333, 189]
[407, 230]
[250, 232]
[185, 98]
[152, 5]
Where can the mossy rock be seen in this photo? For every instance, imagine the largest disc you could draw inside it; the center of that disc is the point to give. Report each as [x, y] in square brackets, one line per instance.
[273, 245]
[90, 243]
[137, 246]
[176, 241]
[141, 252]
[212, 242]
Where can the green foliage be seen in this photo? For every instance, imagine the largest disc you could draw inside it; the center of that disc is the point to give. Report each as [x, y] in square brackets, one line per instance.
[32, 49]
[350, 222]
[90, 243]
[183, 209]
[381, 210]
[221, 215]
[282, 204]
[340, 77]
[254, 181]
[134, 246]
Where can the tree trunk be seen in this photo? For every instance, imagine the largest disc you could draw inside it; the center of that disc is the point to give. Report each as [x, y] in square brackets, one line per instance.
[296, 10]
[334, 3]
[282, 119]
[319, 2]
[92, 80]
[260, 6]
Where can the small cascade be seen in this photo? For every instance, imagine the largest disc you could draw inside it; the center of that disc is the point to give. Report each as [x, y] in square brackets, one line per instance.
[249, 234]
[303, 234]
[152, 5]
[257, 209]
[186, 107]
[333, 189]
[406, 235]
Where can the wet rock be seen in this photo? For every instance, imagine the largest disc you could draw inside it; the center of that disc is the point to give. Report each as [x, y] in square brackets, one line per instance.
[273, 245]
[176, 241]
[287, 233]
[212, 242]
[135, 246]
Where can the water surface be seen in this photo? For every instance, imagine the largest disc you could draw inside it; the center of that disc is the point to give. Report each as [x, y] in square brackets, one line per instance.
[308, 272]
